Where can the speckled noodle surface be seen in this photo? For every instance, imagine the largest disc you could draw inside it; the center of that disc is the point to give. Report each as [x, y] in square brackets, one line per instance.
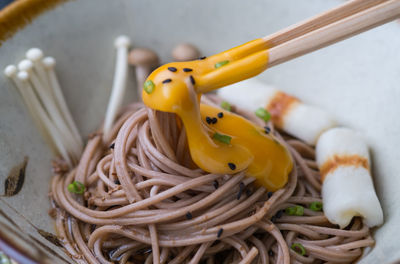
[358, 81]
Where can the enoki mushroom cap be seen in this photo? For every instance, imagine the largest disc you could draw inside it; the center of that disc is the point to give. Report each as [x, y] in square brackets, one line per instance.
[23, 75]
[25, 65]
[49, 62]
[122, 41]
[10, 71]
[34, 54]
[143, 57]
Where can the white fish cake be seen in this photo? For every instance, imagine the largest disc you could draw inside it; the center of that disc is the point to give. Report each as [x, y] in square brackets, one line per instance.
[347, 189]
[303, 121]
[249, 94]
[307, 122]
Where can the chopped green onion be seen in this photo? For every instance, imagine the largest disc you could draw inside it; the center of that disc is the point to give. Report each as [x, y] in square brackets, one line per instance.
[220, 64]
[225, 105]
[290, 211]
[4, 259]
[76, 187]
[149, 86]
[298, 248]
[316, 206]
[222, 138]
[299, 210]
[263, 114]
[295, 210]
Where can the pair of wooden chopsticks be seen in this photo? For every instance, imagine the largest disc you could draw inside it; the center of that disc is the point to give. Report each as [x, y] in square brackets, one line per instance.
[347, 20]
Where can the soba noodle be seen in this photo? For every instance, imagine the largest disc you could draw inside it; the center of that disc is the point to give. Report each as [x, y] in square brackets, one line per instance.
[146, 202]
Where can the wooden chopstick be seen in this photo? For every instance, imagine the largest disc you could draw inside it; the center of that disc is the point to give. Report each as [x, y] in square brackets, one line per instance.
[329, 28]
[345, 10]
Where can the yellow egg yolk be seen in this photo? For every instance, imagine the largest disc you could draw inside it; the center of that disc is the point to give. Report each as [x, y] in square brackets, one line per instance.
[177, 88]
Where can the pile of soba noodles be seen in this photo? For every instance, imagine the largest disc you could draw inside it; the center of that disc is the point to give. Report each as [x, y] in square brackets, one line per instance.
[181, 214]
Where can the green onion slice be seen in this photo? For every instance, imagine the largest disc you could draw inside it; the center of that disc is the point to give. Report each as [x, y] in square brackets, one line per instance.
[263, 114]
[76, 187]
[149, 86]
[222, 138]
[225, 105]
[295, 210]
[4, 259]
[220, 64]
[316, 206]
[299, 210]
[298, 248]
[290, 210]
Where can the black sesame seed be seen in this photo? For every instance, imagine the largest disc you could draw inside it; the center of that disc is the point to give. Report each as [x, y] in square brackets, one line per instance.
[269, 194]
[279, 214]
[220, 232]
[220, 115]
[192, 80]
[270, 253]
[208, 120]
[189, 215]
[112, 146]
[241, 188]
[202, 58]
[172, 69]
[167, 81]
[117, 182]
[267, 130]
[232, 166]
[143, 251]
[216, 184]
[214, 120]
[187, 70]
[248, 192]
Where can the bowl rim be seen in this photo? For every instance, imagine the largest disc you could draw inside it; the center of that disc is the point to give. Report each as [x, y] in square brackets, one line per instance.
[13, 18]
[20, 13]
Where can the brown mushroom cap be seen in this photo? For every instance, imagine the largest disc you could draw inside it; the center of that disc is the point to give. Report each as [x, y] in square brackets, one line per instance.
[143, 57]
[185, 52]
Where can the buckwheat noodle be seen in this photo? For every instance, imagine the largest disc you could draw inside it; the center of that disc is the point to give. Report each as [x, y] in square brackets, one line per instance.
[146, 202]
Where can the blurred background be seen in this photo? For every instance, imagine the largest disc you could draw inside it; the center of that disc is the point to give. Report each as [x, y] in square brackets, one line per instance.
[3, 3]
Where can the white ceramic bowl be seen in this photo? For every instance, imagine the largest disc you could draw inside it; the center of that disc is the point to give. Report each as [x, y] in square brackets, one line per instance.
[357, 80]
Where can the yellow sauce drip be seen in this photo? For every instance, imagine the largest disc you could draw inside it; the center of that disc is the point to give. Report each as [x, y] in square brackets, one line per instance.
[179, 91]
